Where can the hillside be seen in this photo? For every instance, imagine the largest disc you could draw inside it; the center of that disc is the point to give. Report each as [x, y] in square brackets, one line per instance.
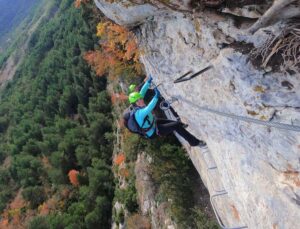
[55, 122]
[11, 15]
[16, 49]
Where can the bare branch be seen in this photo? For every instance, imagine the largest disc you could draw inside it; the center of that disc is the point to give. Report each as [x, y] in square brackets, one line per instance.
[273, 12]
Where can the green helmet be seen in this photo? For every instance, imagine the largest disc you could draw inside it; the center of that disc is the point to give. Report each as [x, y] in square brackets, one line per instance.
[134, 96]
[131, 88]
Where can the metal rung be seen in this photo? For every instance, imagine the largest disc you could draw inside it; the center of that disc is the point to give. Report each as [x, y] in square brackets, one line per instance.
[212, 183]
[211, 167]
[218, 192]
[217, 214]
[208, 171]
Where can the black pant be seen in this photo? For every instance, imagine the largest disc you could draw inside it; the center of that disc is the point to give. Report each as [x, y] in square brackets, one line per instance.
[166, 126]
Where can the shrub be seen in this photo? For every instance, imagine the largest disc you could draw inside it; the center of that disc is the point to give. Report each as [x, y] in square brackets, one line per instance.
[202, 221]
[39, 222]
[120, 158]
[73, 177]
[119, 216]
[138, 221]
[128, 196]
[35, 195]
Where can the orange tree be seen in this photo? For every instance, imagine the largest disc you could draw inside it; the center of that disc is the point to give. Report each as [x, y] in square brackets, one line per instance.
[118, 53]
[78, 3]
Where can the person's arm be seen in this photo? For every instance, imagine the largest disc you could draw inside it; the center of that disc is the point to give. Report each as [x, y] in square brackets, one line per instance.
[146, 86]
[142, 113]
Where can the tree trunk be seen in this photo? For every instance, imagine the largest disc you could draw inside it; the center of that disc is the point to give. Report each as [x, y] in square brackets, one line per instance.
[290, 12]
[277, 7]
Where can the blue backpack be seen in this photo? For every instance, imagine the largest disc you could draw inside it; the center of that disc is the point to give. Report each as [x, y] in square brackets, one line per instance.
[132, 125]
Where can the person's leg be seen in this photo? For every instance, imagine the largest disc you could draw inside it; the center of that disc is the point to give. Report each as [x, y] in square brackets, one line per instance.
[166, 127]
[191, 139]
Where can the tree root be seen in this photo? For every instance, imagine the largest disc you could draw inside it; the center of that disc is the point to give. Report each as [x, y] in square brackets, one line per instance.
[287, 44]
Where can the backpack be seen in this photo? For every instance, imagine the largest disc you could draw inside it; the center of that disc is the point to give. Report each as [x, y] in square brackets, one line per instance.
[132, 125]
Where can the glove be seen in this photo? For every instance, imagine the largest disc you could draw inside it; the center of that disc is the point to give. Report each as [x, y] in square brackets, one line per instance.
[157, 93]
[150, 79]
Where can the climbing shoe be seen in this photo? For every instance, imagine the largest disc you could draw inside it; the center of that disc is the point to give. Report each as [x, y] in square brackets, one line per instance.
[202, 144]
[184, 125]
[199, 143]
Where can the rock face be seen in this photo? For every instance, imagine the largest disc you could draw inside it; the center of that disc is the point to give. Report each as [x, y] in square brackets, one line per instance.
[251, 171]
[125, 13]
[146, 195]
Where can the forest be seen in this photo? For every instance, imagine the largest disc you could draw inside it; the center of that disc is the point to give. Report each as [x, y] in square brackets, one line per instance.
[57, 131]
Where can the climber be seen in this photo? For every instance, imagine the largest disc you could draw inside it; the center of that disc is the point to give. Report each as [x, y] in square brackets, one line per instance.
[147, 94]
[140, 120]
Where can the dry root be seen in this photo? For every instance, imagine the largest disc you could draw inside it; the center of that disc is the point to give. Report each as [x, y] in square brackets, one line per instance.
[286, 45]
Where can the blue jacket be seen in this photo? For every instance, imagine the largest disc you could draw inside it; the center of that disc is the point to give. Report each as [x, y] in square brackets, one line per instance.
[145, 112]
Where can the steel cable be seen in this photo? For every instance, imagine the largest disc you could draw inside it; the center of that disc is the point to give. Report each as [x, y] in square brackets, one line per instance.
[243, 118]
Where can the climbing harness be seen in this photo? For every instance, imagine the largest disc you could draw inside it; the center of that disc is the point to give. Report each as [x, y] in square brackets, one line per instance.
[132, 125]
[243, 118]
[165, 106]
[185, 78]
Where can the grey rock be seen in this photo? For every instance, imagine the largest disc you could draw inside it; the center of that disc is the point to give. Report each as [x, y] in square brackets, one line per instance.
[258, 166]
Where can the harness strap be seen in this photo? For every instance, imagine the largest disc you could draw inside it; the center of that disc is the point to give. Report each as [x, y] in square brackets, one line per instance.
[151, 124]
[144, 130]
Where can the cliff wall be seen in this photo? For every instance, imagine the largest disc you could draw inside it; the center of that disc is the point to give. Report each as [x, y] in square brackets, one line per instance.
[250, 170]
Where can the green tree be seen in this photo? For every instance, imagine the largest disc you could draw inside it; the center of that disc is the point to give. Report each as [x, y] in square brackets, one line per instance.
[26, 169]
[39, 222]
[3, 124]
[100, 216]
[56, 116]
[35, 195]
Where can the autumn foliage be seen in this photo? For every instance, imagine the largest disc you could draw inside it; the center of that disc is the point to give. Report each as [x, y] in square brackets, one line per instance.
[47, 207]
[11, 216]
[73, 177]
[121, 97]
[78, 3]
[120, 158]
[123, 172]
[119, 51]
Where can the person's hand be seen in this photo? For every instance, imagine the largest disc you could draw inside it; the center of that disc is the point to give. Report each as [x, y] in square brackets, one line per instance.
[149, 79]
[157, 93]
